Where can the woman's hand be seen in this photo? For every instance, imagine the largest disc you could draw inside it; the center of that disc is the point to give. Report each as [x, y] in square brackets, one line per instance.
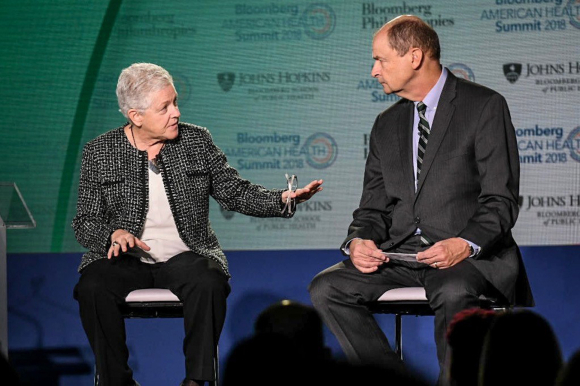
[121, 240]
[305, 193]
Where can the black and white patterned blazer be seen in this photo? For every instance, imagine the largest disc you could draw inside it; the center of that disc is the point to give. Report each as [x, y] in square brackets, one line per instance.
[113, 191]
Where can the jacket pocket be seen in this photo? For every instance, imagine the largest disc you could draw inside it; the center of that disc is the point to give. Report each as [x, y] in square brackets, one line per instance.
[112, 181]
[113, 190]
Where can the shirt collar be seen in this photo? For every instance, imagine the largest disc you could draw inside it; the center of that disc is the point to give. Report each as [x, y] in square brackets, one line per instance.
[432, 97]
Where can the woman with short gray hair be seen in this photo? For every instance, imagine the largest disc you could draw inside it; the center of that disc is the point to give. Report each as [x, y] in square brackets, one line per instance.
[143, 214]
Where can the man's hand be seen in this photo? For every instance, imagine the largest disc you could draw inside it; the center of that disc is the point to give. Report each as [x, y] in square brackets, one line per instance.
[305, 193]
[121, 240]
[365, 255]
[445, 253]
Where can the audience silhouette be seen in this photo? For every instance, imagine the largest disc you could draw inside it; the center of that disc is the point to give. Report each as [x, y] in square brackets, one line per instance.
[288, 348]
[297, 322]
[520, 349]
[466, 335]
[8, 374]
[488, 348]
[570, 373]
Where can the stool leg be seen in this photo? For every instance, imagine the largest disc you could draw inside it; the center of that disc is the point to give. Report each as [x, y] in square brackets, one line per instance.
[216, 361]
[96, 377]
[399, 335]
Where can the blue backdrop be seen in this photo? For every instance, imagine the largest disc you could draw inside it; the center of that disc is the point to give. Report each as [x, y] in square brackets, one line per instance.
[43, 314]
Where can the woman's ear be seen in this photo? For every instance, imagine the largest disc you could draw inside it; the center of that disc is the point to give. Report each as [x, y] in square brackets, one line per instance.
[135, 117]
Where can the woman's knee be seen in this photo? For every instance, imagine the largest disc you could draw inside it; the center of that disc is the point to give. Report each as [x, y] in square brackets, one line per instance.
[103, 280]
[216, 282]
[212, 283]
[91, 281]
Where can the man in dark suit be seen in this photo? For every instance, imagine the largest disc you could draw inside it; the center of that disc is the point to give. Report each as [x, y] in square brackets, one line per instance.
[442, 181]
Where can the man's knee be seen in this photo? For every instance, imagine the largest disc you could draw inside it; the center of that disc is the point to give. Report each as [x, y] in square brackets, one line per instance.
[320, 289]
[457, 291]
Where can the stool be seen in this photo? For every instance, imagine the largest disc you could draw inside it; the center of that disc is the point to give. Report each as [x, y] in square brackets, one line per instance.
[152, 303]
[157, 303]
[413, 301]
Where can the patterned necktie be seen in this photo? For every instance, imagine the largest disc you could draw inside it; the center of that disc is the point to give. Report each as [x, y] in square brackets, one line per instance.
[424, 132]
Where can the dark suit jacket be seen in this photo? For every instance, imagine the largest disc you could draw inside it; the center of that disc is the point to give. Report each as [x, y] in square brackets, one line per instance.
[468, 187]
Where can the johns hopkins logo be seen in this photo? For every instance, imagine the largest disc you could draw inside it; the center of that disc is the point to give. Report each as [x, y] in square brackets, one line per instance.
[319, 21]
[226, 80]
[512, 71]
[321, 150]
[460, 70]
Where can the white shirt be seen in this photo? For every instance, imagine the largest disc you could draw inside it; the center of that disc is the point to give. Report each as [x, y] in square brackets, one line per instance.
[160, 232]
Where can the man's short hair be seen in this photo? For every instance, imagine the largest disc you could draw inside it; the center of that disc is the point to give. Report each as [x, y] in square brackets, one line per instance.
[413, 32]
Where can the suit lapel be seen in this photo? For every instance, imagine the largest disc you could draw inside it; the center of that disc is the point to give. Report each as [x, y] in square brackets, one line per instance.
[443, 115]
[405, 137]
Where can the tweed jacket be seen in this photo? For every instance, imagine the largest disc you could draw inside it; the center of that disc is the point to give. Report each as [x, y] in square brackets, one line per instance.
[113, 191]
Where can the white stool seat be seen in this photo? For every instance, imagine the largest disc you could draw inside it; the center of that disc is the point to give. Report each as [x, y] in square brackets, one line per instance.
[151, 295]
[413, 301]
[404, 294]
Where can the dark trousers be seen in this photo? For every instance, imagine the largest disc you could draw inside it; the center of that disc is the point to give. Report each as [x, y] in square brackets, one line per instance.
[340, 292]
[197, 281]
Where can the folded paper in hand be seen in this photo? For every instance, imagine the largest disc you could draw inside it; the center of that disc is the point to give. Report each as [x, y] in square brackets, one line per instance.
[411, 257]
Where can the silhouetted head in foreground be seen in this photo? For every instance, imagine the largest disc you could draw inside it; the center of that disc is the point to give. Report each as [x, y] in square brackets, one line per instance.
[465, 335]
[287, 348]
[520, 349]
[570, 374]
[297, 322]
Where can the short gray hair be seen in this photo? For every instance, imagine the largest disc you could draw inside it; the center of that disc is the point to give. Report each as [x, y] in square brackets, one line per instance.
[135, 84]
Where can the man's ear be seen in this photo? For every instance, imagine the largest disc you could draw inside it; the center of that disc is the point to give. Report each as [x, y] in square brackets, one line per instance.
[135, 117]
[416, 57]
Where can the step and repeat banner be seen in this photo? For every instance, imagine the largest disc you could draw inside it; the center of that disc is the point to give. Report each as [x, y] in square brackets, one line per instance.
[284, 87]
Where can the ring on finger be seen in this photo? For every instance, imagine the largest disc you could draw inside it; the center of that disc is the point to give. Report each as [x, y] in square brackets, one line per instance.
[115, 243]
[435, 265]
